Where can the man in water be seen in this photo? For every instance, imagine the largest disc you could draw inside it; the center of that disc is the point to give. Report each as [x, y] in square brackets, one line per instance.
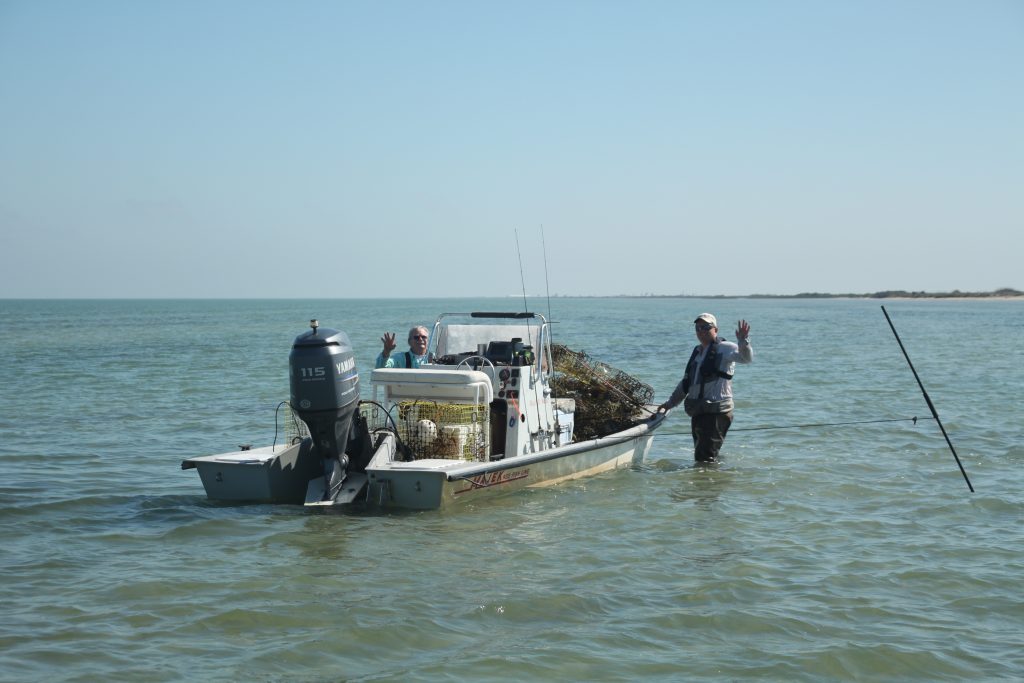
[706, 387]
[413, 358]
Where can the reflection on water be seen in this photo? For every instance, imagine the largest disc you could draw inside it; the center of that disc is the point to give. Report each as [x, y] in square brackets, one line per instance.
[701, 484]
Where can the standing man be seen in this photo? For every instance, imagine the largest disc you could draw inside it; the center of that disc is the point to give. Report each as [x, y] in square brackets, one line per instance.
[413, 358]
[706, 387]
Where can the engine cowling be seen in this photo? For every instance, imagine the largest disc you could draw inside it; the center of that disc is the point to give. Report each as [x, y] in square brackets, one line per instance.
[324, 386]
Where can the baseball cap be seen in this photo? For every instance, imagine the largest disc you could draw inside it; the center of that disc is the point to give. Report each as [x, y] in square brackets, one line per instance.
[708, 318]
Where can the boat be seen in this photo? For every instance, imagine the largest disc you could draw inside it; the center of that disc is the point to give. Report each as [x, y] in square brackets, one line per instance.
[498, 408]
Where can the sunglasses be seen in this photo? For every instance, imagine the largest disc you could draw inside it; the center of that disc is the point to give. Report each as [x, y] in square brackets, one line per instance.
[418, 336]
[703, 327]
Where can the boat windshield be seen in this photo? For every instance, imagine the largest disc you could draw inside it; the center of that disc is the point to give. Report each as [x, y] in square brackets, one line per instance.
[497, 336]
[460, 339]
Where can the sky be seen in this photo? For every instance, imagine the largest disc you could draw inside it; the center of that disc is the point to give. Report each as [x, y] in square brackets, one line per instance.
[349, 149]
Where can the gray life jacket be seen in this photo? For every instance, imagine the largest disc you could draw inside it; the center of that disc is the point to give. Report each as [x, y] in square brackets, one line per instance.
[708, 369]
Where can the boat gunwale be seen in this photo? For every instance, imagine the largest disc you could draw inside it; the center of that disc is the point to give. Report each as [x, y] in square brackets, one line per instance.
[462, 469]
[636, 431]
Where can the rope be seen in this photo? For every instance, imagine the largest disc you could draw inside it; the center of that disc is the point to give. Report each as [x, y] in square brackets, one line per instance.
[276, 411]
[817, 424]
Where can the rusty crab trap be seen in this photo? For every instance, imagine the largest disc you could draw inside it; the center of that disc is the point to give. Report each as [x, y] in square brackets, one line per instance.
[449, 431]
[607, 399]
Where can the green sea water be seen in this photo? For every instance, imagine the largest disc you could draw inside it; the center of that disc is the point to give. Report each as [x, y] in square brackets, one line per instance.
[845, 549]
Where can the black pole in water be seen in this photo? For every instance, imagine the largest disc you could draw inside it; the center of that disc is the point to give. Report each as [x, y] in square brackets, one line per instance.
[927, 399]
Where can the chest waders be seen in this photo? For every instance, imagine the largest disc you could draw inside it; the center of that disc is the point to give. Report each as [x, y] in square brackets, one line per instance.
[709, 423]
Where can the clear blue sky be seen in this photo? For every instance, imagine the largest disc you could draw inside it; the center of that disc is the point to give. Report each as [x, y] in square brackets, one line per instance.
[355, 149]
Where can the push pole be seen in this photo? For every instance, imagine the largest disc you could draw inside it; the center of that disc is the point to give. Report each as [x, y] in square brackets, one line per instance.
[928, 400]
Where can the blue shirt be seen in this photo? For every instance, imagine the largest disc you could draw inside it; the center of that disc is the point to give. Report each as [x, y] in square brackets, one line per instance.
[401, 360]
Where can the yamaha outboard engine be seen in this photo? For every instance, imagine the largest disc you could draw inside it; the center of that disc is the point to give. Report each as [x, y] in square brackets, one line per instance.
[325, 395]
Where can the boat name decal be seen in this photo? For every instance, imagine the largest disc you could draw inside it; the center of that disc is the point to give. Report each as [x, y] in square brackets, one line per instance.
[488, 479]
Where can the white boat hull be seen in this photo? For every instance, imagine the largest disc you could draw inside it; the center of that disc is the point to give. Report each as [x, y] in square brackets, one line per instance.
[432, 484]
[293, 475]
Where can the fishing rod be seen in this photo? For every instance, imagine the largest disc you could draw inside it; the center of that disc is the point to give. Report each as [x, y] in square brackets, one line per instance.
[550, 341]
[928, 400]
[522, 279]
[547, 287]
[526, 309]
[818, 424]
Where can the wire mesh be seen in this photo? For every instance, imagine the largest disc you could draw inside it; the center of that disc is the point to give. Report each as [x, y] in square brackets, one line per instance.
[450, 431]
[295, 430]
[607, 399]
[375, 415]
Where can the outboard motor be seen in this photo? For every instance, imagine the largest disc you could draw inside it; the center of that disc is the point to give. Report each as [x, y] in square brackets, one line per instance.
[325, 395]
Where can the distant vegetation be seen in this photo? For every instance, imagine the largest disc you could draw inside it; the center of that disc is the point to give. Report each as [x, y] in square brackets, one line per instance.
[888, 294]
[900, 294]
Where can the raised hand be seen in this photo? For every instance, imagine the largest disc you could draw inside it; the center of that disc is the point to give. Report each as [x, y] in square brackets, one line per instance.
[742, 330]
[389, 343]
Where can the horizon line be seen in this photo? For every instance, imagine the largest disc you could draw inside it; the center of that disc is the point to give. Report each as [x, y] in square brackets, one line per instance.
[1004, 292]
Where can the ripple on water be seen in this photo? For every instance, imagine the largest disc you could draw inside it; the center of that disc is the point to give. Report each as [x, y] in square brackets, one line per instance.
[833, 552]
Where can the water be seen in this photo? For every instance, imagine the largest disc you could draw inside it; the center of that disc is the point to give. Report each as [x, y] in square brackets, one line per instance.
[846, 552]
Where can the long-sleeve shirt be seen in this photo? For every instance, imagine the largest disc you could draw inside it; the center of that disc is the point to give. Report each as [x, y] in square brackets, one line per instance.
[716, 389]
[401, 360]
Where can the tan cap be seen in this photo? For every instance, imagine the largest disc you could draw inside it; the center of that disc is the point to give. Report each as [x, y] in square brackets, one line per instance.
[708, 318]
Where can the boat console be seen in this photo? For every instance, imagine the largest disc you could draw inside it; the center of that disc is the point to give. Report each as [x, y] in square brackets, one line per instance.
[519, 415]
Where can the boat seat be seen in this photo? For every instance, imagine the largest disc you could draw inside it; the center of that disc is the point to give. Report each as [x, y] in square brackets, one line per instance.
[456, 386]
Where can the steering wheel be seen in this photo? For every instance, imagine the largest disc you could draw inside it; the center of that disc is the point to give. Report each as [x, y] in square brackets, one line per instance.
[465, 361]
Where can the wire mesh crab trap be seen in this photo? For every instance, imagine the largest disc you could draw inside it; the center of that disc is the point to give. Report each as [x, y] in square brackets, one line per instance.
[450, 431]
[295, 430]
[607, 399]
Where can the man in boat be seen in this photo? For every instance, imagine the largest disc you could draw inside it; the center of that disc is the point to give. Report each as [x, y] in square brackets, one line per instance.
[706, 387]
[413, 358]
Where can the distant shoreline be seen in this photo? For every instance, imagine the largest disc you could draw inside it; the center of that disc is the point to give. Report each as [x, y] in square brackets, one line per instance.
[999, 294]
[1005, 294]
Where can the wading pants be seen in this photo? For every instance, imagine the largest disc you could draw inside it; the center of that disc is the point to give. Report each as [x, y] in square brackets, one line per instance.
[709, 434]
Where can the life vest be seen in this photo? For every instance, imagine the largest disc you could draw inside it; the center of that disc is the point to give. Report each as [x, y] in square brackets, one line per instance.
[708, 369]
[427, 358]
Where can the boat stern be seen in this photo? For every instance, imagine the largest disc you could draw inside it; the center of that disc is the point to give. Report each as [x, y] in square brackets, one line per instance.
[271, 474]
